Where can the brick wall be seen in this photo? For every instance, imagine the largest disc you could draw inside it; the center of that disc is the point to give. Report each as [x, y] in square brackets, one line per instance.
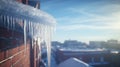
[16, 57]
[13, 51]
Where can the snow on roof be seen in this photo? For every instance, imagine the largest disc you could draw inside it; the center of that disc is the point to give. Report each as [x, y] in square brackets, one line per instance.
[19, 10]
[82, 50]
[73, 62]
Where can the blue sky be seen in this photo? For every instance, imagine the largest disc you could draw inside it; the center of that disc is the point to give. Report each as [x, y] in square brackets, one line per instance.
[84, 20]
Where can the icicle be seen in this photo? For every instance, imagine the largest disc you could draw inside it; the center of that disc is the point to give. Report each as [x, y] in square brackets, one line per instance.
[39, 41]
[8, 23]
[25, 36]
[13, 23]
[32, 32]
[13, 20]
[1, 18]
[29, 27]
[48, 44]
[4, 20]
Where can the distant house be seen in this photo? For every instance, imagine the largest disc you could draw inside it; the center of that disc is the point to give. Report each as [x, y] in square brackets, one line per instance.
[97, 44]
[94, 57]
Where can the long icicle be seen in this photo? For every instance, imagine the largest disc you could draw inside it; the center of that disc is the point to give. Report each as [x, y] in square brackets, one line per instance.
[47, 38]
[49, 45]
[25, 36]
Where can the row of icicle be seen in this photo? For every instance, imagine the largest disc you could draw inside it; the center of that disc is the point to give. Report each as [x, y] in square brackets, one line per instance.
[35, 29]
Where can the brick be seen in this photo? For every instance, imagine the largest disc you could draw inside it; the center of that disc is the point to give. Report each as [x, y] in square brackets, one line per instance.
[28, 46]
[1, 55]
[8, 53]
[16, 58]
[6, 63]
[14, 50]
[19, 62]
[22, 47]
[18, 65]
[21, 54]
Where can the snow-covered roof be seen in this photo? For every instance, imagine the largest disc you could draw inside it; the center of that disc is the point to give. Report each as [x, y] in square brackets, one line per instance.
[18, 10]
[82, 50]
[73, 62]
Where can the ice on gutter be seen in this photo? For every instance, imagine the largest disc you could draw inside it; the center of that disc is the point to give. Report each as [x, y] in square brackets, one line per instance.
[18, 10]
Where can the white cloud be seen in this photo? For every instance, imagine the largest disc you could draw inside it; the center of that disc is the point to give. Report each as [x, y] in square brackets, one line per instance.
[109, 21]
[89, 27]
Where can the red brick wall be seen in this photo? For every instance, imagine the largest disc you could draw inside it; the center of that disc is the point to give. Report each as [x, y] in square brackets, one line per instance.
[14, 53]
[16, 57]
